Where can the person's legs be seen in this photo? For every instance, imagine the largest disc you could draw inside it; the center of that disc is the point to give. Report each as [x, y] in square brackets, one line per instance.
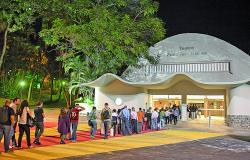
[114, 128]
[20, 137]
[106, 127]
[27, 132]
[139, 127]
[62, 136]
[13, 138]
[136, 127]
[119, 127]
[133, 125]
[149, 123]
[122, 127]
[154, 124]
[163, 123]
[74, 129]
[175, 120]
[193, 115]
[93, 129]
[39, 130]
[6, 132]
[11, 133]
[128, 127]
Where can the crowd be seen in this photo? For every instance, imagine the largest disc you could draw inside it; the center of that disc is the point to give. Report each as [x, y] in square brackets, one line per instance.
[12, 116]
[124, 121]
[193, 111]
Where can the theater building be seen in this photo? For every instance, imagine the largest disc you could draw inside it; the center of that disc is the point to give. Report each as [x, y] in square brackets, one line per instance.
[191, 69]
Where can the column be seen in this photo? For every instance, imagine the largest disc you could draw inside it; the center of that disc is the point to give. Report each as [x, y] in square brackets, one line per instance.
[184, 116]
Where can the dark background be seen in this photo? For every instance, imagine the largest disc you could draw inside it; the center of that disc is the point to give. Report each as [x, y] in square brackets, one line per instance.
[228, 20]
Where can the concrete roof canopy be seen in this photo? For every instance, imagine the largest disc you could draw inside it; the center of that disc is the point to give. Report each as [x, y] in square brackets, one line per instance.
[201, 58]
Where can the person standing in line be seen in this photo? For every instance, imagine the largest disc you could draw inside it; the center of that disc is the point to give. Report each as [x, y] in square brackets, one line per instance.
[162, 118]
[119, 122]
[106, 117]
[39, 117]
[68, 109]
[176, 114]
[74, 118]
[114, 121]
[148, 115]
[167, 115]
[134, 119]
[130, 120]
[188, 111]
[140, 116]
[16, 102]
[125, 117]
[63, 125]
[193, 111]
[7, 116]
[23, 126]
[155, 115]
[196, 111]
[93, 124]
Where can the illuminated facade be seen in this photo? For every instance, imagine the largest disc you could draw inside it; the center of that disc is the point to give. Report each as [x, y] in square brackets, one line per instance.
[192, 69]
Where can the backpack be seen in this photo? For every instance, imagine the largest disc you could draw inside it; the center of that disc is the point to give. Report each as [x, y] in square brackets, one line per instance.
[106, 114]
[4, 115]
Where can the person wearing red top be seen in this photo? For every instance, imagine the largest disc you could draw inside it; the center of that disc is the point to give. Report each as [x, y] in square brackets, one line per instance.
[74, 117]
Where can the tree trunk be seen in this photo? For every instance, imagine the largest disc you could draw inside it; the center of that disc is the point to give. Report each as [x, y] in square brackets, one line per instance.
[59, 97]
[51, 89]
[67, 99]
[4, 46]
[30, 89]
[40, 91]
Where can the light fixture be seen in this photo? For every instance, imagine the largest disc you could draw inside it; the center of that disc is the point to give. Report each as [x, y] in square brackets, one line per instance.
[118, 101]
[22, 83]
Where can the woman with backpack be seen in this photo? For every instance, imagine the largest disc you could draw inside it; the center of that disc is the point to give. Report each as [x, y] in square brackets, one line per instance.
[24, 114]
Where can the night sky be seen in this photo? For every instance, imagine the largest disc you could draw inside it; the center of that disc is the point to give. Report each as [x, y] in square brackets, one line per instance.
[228, 20]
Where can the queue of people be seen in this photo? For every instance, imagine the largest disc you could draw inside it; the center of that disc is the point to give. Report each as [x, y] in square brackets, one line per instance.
[17, 113]
[124, 121]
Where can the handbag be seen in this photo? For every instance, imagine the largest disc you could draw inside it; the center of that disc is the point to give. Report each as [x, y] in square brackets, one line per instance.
[30, 120]
[89, 121]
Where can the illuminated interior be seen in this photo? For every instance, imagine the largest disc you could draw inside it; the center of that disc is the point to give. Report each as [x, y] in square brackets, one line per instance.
[213, 105]
[160, 101]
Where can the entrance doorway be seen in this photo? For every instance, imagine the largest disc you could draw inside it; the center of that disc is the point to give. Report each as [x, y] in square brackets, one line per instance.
[163, 101]
[209, 105]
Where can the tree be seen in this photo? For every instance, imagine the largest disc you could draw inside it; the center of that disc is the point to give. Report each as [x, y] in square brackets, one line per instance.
[14, 15]
[102, 36]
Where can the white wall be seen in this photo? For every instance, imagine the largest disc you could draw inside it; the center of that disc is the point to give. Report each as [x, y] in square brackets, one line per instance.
[239, 103]
[136, 100]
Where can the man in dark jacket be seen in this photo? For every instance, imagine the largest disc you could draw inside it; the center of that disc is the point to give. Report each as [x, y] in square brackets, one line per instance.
[7, 116]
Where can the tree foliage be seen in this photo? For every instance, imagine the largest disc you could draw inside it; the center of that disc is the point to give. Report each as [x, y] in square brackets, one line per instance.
[100, 36]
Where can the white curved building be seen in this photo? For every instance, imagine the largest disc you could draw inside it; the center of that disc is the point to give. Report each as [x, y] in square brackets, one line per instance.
[192, 69]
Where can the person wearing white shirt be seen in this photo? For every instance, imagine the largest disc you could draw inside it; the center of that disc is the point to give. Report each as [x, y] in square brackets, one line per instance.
[155, 115]
[134, 119]
[167, 114]
[114, 121]
[16, 102]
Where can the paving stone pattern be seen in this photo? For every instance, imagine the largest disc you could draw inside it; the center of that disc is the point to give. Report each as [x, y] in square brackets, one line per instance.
[219, 148]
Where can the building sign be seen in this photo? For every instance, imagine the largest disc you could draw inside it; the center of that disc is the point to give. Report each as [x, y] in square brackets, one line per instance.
[184, 51]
